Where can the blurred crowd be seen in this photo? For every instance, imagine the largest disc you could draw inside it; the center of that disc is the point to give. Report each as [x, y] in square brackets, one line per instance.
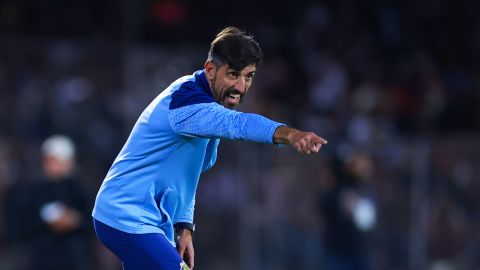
[393, 87]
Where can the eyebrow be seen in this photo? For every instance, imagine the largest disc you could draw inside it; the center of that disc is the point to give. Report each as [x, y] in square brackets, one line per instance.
[239, 72]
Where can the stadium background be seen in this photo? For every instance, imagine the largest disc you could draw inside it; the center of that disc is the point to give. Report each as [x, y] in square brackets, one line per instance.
[398, 82]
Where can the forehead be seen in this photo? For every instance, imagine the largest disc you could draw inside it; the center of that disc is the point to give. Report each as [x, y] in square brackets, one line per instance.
[248, 69]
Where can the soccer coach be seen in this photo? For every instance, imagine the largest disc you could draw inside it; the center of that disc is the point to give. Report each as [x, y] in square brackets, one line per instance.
[148, 195]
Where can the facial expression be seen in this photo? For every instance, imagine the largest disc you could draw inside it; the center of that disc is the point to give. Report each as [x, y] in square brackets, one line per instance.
[228, 85]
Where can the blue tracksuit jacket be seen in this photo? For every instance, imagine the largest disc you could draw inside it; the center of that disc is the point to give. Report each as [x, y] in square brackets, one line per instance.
[152, 182]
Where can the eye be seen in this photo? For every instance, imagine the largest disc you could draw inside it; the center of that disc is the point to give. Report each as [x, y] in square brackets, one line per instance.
[232, 75]
[249, 76]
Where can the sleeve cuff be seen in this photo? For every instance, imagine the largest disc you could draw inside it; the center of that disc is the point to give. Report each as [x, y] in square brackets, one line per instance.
[274, 128]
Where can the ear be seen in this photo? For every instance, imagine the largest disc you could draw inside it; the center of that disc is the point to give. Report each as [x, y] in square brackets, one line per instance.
[210, 70]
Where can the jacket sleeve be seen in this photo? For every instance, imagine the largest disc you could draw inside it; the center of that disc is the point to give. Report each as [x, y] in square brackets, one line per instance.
[212, 154]
[212, 120]
[187, 213]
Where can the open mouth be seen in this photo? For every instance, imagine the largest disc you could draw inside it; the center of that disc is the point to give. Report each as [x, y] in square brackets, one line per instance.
[232, 99]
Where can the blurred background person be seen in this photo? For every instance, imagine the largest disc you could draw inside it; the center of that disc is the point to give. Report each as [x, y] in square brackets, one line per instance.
[349, 213]
[50, 215]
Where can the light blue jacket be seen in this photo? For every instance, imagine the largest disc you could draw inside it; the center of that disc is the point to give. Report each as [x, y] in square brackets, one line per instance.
[152, 182]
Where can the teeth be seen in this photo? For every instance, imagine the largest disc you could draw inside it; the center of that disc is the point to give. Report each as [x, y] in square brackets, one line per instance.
[234, 96]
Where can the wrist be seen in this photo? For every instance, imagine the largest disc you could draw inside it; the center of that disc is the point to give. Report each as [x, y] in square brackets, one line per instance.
[284, 134]
[181, 226]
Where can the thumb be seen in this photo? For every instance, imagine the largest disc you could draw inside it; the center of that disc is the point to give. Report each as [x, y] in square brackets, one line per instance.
[316, 147]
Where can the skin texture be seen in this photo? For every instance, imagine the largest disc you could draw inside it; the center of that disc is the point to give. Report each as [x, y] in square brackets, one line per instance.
[303, 142]
[185, 247]
[225, 82]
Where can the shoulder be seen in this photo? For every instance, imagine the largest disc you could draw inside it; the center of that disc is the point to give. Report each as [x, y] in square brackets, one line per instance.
[189, 93]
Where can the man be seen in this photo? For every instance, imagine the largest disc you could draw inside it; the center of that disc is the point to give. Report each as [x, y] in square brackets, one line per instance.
[150, 189]
[50, 216]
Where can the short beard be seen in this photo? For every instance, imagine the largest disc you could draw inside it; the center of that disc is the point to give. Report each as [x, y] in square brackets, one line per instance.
[220, 97]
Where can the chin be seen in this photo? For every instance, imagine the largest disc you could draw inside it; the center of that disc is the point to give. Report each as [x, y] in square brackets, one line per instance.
[231, 107]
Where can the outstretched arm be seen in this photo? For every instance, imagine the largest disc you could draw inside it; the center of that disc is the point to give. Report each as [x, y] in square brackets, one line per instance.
[303, 142]
[212, 120]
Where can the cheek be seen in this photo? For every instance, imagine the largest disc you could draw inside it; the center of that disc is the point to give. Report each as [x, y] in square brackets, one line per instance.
[247, 86]
[219, 88]
[224, 85]
[228, 84]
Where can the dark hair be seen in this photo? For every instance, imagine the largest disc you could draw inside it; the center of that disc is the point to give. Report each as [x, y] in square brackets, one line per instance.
[234, 47]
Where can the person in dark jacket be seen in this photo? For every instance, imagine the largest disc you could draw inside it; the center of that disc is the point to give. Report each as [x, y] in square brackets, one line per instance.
[50, 216]
[349, 214]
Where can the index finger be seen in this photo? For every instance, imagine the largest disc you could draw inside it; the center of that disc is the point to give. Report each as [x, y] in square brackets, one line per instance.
[190, 261]
[320, 140]
[191, 256]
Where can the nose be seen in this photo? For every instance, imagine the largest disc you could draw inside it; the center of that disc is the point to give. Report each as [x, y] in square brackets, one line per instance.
[240, 84]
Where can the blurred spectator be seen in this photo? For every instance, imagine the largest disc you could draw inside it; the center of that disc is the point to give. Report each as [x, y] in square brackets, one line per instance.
[349, 214]
[51, 216]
